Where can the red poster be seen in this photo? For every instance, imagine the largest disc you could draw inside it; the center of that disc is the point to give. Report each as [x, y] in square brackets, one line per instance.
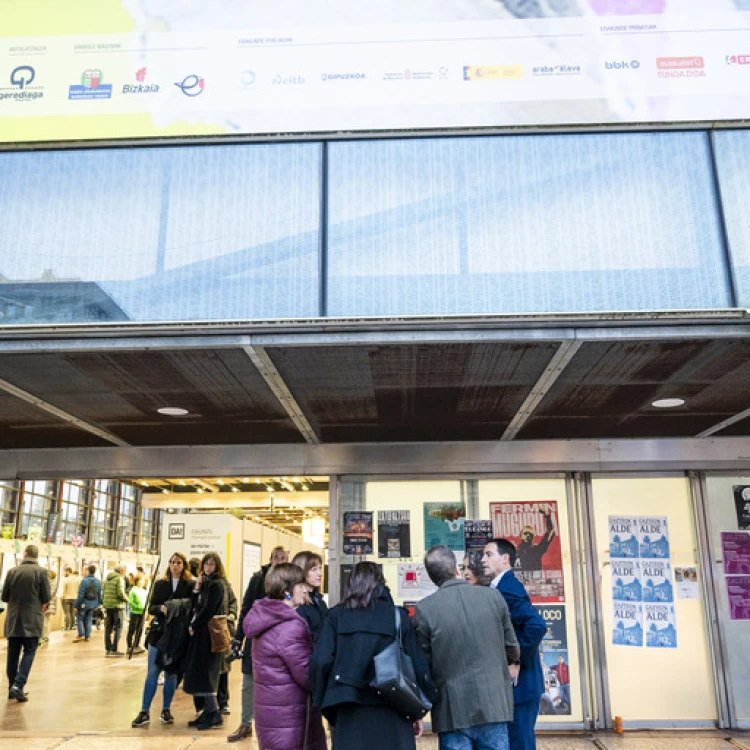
[534, 528]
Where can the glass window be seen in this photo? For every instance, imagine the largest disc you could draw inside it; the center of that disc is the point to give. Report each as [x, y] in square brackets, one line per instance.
[74, 509]
[150, 526]
[524, 224]
[38, 499]
[225, 232]
[103, 513]
[9, 491]
[128, 517]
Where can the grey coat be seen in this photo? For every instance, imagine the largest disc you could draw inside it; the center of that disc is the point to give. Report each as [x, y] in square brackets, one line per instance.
[469, 641]
[26, 589]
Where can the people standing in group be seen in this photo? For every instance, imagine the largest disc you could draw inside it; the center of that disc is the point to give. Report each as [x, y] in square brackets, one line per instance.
[113, 601]
[499, 560]
[71, 583]
[314, 610]
[341, 666]
[466, 633]
[137, 604]
[203, 667]
[175, 588]
[255, 590]
[89, 599]
[281, 647]
[51, 609]
[26, 590]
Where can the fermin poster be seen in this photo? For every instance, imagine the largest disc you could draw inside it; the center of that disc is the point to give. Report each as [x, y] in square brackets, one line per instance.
[628, 624]
[659, 622]
[394, 533]
[534, 528]
[626, 581]
[444, 524]
[623, 542]
[653, 538]
[742, 505]
[656, 579]
[554, 655]
[358, 533]
[476, 535]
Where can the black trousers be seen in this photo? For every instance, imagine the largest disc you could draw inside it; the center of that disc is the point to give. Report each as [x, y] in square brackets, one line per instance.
[222, 695]
[113, 628]
[18, 672]
[133, 625]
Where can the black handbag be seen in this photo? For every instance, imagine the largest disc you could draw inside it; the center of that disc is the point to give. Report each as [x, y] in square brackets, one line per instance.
[395, 680]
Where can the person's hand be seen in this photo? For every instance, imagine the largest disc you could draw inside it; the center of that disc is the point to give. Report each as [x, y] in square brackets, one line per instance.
[418, 729]
[515, 670]
[190, 630]
[163, 608]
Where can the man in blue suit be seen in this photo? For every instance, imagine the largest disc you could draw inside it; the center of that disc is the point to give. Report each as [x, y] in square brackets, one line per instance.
[498, 560]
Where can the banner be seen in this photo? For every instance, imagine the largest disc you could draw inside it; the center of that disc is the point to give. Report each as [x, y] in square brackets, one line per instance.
[444, 524]
[358, 533]
[394, 533]
[533, 527]
[556, 698]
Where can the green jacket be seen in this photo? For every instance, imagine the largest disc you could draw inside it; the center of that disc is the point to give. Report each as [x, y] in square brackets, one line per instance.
[137, 600]
[113, 592]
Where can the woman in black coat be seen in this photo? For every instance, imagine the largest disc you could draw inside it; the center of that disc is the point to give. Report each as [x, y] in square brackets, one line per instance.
[315, 610]
[203, 668]
[341, 666]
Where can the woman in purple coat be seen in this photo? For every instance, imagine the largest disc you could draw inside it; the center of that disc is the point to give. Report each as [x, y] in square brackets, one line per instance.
[284, 717]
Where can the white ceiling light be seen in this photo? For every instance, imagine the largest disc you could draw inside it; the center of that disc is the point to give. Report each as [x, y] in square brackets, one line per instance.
[668, 403]
[314, 531]
[173, 411]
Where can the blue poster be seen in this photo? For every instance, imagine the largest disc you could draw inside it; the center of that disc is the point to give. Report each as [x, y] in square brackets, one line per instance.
[656, 576]
[660, 626]
[626, 581]
[556, 699]
[654, 538]
[444, 524]
[628, 624]
[623, 542]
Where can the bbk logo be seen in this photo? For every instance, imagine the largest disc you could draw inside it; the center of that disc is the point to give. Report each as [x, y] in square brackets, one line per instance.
[622, 65]
[141, 87]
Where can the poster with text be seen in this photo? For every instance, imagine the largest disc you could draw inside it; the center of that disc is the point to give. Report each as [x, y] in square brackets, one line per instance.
[686, 583]
[413, 582]
[623, 542]
[533, 526]
[738, 593]
[626, 581]
[659, 622]
[554, 655]
[656, 580]
[476, 535]
[628, 624]
[653, 538]
[358, 532]
[394, 533]
[735, 548]
[742, 505]
[444, 524]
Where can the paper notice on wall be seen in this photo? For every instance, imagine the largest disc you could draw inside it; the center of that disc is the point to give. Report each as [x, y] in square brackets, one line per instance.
[556, 699]
[476, 535]
[742, 505]
[656, 581]
[394, 530]
[358, 533]
[628, 624]
[626, 581]
[444, 524]
[653, 538]
[623, 541]
[413, 582]
[659, 622]
[686, 583]
[738, 593]
[735, 547]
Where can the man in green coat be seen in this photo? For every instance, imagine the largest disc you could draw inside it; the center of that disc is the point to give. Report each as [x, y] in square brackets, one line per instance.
[113, 601]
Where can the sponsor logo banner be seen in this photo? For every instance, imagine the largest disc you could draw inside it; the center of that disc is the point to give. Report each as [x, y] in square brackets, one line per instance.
[492, 72]
[91, 86]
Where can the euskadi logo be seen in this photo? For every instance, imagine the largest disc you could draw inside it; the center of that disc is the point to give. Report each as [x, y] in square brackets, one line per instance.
[21, 89]
[92, 86]
[192, 85]
[680, 67]
[140, 87]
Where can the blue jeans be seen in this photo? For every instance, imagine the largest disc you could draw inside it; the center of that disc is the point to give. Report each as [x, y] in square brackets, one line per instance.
[481, 737]
[152, 681]
[84, 618]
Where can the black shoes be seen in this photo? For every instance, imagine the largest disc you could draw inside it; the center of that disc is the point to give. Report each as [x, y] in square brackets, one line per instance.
[166, 717]
[224, 710]
[198, 720]
[142, 720]
[213, 719]
[16, 693]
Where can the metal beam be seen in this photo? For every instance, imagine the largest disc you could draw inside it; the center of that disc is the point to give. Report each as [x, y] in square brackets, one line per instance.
[272, 376]
[30, 398]
[551, 373]
[724, 423]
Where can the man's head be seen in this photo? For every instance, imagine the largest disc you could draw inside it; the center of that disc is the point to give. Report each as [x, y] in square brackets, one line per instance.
[91, 570]
[31, 552]
[561, 660]
[68, 571]
[499, 556]
[120, 570]
[195, 566]
[527, 534]
[441, 564]
[278, 556]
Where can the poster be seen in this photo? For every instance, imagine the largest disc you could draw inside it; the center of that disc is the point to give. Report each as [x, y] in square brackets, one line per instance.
[735, 547]
[626, 581]
[358, 532]
[623, 542]
[345, 574]
[554, 655]
[251, 562]
[34, 534]
[413, 582]
[444, 524]
[53, 521]
[533, 526]
[659, 620]
[476, 535]
[686, 583]
[742, 505]
[738, 593]
[394, 533]
[653, 538]
[628, 624]
[656, 580]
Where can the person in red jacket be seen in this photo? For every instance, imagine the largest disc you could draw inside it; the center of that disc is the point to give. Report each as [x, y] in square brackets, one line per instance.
[284, 717]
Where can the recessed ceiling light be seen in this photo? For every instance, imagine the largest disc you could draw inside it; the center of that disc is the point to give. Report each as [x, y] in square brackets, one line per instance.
[173, 411]
[668, 403]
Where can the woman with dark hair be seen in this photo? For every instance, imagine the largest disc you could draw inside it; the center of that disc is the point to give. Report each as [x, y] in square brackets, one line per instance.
[473, 571]
[284, 717]
[203, 667]
[341, 667]
[314, 611]
[176, 585]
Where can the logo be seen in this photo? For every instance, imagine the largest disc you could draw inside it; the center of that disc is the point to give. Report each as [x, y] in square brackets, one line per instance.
[176, 530]
[296, 79]
[680, 67]
[550, 71]
[737, 59]
[247, 78]
[141, 87]
[342, 76]
[21, 89]
[411, 75]
[191, 85]
[91, 86]
[493, 72]
[622, 65]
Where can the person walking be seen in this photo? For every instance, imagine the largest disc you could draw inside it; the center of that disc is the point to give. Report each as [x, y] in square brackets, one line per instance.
[89, 599]
[255, 590]
[71, 582]
[51, 609]
[26, 590]
[174, 590]
[314, 611]
[203, 667]
[341, 667]
[466, 633]
[137, 603]
[281, 646]
[113, 601]
[499, 560]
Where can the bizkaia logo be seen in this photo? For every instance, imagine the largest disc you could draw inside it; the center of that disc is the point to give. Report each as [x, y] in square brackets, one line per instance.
[20, 88]
[91, 86]
[622, 64]
[191, 85]
[141, 87]
[737, 59]
[680, 67]
[553, 71]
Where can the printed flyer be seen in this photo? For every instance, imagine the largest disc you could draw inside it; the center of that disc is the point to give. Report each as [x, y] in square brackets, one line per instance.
[623, 542]
[394, 533]
[626, 581]
[738, 592]
[656, 580]
[742, 505]
[476, 535]
[653, 538]
[660, 625]
[533, 526]
[444, 524]
[554, 655]
[628, 624]
[735, 547]
[358, 533]
[686, 583]
[413, 582]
